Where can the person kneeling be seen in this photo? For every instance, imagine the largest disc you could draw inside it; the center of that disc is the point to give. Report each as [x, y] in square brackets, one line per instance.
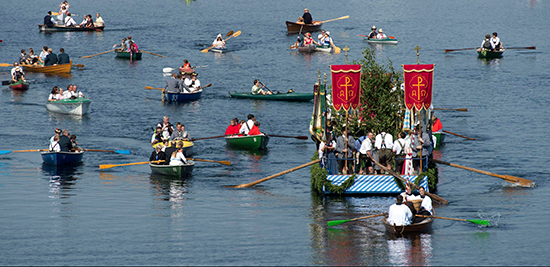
[399, 214]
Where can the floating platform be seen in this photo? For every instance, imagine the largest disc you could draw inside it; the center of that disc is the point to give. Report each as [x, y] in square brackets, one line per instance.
[373, 184]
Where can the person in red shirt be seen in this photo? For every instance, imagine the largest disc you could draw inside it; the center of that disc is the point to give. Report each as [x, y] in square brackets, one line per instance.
[233, 128]
[437, 126]
[255, 129]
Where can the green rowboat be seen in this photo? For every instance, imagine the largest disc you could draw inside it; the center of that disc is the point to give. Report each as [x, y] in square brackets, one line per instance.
[490, 54]
[251, 142]
[135, 56]
[296, 97]
[180, 171]
[440, 139]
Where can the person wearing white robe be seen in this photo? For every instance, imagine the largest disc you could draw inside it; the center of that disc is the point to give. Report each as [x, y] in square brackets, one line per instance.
[178, 158]
[399, 214]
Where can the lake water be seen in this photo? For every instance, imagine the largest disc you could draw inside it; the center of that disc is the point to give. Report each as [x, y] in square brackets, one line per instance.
[127, 216]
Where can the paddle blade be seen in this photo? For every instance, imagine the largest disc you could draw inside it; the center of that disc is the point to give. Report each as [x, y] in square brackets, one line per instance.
[362, 35]
[337, 50]
[6, 82]
[229, 33]
[225, 162]
[107, 166]
[480, 222]
[237, 34]
[125, 152]
[6, 65]
[4, 152]
[337, 222]
[79, 65]
[205, 50]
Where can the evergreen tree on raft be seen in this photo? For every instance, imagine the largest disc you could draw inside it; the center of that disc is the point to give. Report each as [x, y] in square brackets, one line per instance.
[381, 105]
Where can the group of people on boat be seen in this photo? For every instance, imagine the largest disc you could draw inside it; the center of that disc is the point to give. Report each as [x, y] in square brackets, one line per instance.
[243, 128]
[165, 131]
[127, 45]
[491, 43]
[403, 212]
[46, 58]
[58, 93]
[323, 40]
[62, 140]
[374, 34]
[182, 83]
[172, 155]
[65, 18]
[346, 154]
[168, 143]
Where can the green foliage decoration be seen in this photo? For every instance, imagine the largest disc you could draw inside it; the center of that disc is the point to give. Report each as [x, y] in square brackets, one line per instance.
[319, 180]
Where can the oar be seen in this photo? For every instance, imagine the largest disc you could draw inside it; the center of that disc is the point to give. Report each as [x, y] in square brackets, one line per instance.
[211, 137]
[6, 65]
[107, 166]
[151, 53]
[460, 49]
[362, 35]
[465, 137]
[301, 137]
[266, 87]
[275, 175]
[295, 45]
[78, 65]
[125, 152]
[19, 151]
[455, 109]
[433, 196]
[234, 35]
[344, 17]
[476, 221]
[224, 162]
[337, 50]
[154, 88]
[508, 178]
[206, 50]
[98, 54]
[528, 47]
[338, 222]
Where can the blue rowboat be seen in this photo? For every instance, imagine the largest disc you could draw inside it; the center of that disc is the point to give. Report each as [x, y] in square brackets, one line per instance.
[183, 97]
[62, 158]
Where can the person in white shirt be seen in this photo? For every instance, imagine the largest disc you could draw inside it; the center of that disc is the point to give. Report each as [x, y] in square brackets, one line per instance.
[365, 157]
[17, 72]
[67, 94]
[57, 133]
[177, 158]
[74, 92]
[399, 152]
[98, 21]
[247, 125]
[44, 53]
[60, 94]
[192, 85]
[399, 214]
[54, 146]
[69, 21]
[381, 34]
[426, 202]
[219, 42]
[384, 144]
[495, 42]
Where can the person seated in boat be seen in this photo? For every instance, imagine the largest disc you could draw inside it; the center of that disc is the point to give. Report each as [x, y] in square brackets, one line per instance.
[49, 21]
[171, 148]
[408, 198]
[74, 143]
[300, 21]
[186, 67]
[53, 94]
[44, 53]
[64, 6]
[17, 73]
[63, 58]
[437, 126]
[381, 35]
[495, 42]
[23, 57]
[33, 58]
[69, 21]
[308, 41]
[399, 214]
[324, 39]
[192, 84]
[167, 128]
[157, 136]
[180, 133]
[426, 207]
[257, 88]
[178, 158]
[98, 21]
[57, 133]
[219, 42]
[255, 129]
[51, 58]
[307, 17]
[54, 146]
[486, 43]
[128, 40]
[65, 142]
[122, 45]
[132, 47]
[233, 128]
[87, 22]
[245, 127]
[373, 34]
[158, 155]
[75, 93]
[173, 84]
[67, 94]
[61, 94]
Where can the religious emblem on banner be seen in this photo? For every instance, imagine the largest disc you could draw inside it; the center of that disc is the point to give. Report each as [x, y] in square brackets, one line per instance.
[418, 85]
[346, 86]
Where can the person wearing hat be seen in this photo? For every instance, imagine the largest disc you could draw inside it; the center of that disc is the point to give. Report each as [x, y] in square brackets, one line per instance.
[219, 42]
[381, 35]
[308, 40]
[57, 133]
[373, 34]
[17, 73]
[307, 17]
[191, 84]
[49, 21]
[158, 154]
[495, 42]
[486, 43]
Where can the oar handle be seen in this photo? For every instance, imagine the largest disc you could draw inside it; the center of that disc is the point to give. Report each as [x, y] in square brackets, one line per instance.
[211, 137]
[465, 137]
[367, 217]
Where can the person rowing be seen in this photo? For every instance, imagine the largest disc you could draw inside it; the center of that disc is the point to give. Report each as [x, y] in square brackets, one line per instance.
[373, 34]
[324, 39]
[308, 41]
[17, 73]
[486, 43]
[307, 17]
[219, 43]
[257, 88]
[495, 42]
[192, 84]
[122, 45]
[399, 214]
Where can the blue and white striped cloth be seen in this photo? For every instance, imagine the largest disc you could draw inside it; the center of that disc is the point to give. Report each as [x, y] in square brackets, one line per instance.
[374, 184]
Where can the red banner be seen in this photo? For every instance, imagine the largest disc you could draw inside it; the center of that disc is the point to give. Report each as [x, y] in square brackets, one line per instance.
[418, 85]
[346, 86]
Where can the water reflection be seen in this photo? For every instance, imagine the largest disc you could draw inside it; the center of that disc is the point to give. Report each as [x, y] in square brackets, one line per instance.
[171, 189]
[63, 118]
[62, 180]
[414, 250]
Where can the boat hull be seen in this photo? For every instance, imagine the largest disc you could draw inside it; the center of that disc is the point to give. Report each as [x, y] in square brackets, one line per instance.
[292, 27]
[19, 85]
[373, 184]
[179, 97]
[252, 142]
[62, 158]
[420, 227]
[219, 50]
[323, 49]
[307, 49]
[296, 97]
[180, 171]
[126, 55]
[79, 106]
[381, 41]
[489, 54]
[55, 69]
[439, 139]
[57, 28]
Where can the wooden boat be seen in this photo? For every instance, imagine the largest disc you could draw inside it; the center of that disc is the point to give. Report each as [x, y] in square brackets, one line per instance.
[439, 139]
[293, 27]
[307, 49]
[180, 171]
[183, 97]
[296, 97]
[19, 85]
[54, 69]
[381, 41]
[126, 55]
[187, 148]
[219, 50]
[62, 158]
[62, 28]
[488, 54]
[420, 227]
[251, 142]
[78, 106]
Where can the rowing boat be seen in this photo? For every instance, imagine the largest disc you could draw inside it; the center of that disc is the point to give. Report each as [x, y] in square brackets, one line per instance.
[187, 147]
[183, 97]
[488, 54]
[295, 97]
[251, 142]
[53, 69]
[180, 171]
[78, 106]
[126, 55]
[420, 227]
[439, 139]
[62, 158]
[381, 41]
[19, 85]
[293, 27]
[62, 28]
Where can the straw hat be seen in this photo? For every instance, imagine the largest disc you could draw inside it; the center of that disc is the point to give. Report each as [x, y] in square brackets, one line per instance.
[373, 28]
[327, 32]
[380, 30]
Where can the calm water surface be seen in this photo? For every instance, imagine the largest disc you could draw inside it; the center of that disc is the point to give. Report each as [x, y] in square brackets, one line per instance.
[126, 216]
